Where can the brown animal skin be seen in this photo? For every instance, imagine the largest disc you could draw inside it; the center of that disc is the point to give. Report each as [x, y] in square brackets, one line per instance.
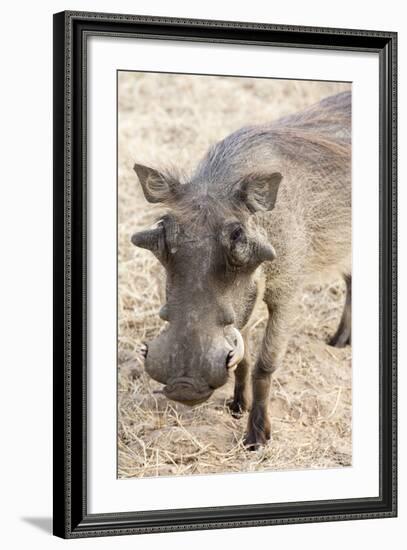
[267, 210]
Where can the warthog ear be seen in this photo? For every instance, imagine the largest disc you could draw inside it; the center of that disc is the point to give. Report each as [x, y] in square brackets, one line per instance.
[259, 191]
[156, 186]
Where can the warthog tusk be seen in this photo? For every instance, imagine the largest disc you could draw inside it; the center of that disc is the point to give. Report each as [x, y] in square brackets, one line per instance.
[238, 348]
[143, 349]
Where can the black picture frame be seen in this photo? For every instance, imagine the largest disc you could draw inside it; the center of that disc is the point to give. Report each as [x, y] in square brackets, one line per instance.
[71, 518]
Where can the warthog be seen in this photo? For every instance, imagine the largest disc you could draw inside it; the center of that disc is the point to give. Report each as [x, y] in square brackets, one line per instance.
[266, 210]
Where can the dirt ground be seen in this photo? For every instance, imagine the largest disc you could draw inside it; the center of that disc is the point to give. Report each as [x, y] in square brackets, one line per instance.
[171, 120]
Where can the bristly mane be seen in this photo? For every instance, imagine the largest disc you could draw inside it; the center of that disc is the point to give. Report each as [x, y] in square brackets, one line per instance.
[321, 134]
[318, 138]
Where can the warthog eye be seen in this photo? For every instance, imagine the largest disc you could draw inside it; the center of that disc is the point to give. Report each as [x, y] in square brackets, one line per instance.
[244, 249]
[236, 234]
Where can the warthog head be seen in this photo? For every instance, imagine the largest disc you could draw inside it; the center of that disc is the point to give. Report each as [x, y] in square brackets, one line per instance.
[210, 253]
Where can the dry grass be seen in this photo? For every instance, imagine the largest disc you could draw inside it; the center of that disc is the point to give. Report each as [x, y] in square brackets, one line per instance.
[171, 120]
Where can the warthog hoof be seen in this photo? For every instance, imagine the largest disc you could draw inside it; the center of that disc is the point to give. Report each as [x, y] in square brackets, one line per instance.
[236, 407]
[255, 439]
[258, 430]
[341, 339]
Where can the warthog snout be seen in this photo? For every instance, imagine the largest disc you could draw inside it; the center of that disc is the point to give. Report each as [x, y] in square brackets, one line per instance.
[187, 391]
[204, 363]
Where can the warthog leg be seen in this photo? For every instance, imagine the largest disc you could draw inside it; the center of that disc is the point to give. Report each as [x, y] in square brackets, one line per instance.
[343, 335]
[240, 402]
[271, 356]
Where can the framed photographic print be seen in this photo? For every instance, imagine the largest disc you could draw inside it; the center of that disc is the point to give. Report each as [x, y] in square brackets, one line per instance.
[224, 274]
